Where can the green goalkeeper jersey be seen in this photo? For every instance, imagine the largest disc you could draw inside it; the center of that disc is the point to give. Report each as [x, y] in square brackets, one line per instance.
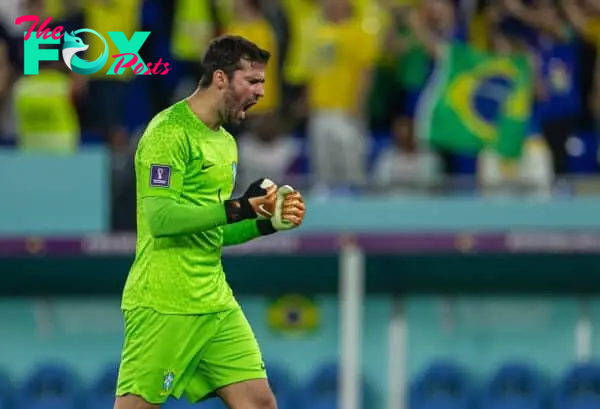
[177, 267]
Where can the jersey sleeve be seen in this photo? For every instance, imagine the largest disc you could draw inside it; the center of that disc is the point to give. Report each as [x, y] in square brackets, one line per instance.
[160, 162]
[245, 231]
[240, 233]
[166, 217]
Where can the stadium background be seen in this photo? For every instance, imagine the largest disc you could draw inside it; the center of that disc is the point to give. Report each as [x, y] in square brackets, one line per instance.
[446, 280]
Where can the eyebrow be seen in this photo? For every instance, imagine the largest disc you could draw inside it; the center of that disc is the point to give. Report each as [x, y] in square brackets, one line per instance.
[254, 78]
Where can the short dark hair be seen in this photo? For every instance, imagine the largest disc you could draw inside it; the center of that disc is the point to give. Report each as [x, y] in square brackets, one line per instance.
[225, 53]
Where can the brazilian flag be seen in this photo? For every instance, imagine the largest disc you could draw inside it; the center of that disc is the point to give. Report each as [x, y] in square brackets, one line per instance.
[477, 99]
[293, 314]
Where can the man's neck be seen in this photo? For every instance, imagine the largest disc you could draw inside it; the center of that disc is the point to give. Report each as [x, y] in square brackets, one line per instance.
[206, 107]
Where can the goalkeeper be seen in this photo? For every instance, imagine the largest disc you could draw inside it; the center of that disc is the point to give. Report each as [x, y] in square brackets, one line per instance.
[185, 333]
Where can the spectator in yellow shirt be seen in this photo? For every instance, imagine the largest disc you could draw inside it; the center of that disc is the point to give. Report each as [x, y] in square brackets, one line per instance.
[249, 22]
[340, 57]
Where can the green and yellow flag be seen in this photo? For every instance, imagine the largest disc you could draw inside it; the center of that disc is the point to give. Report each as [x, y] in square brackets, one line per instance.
[477, 99]
[293, 314]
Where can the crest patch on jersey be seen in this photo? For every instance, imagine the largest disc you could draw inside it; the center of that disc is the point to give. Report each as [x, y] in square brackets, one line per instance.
[168, 380]
[160, 176]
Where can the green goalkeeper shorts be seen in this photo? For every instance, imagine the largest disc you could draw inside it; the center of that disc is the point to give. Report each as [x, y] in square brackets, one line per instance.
[191, 355]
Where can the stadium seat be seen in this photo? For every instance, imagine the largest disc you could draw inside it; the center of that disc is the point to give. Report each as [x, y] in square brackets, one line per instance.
[514, 386]
[183, 403]
[213, 403]
[102, 392]
[6, 392]
[442, 385]
[579, 388]
[50, 386]
[321, 390]
[282, 387]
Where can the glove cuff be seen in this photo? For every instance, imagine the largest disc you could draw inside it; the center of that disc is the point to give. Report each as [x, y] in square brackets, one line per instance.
[238, 210]
[265, 227]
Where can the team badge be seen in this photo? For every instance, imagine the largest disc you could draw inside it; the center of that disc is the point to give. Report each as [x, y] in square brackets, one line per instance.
[168, 383]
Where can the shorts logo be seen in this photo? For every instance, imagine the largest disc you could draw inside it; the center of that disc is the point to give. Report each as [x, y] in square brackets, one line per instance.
[168, 383]
[160, 176]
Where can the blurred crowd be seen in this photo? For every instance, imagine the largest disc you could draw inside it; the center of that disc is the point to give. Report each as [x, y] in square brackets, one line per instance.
[342, 89]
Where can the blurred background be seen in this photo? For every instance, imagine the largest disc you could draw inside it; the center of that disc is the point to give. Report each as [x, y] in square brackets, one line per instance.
[448, 151]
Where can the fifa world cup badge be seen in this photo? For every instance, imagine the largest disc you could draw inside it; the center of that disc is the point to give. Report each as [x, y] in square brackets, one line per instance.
[168, 383]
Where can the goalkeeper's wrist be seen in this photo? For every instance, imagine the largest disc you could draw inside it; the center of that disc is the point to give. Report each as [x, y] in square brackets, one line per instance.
[265, 227]
[238, 210]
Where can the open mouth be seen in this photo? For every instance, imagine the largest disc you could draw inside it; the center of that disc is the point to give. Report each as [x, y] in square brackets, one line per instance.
[245, 108]
[248, 106]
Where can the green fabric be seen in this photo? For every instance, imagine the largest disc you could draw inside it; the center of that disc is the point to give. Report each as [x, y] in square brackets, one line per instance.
[412, 68]
[186, 355]
[406, 72]
[177, 267]
[166, 217]
[239, 233]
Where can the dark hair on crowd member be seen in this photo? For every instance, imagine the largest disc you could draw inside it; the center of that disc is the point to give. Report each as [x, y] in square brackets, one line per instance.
[225, 53]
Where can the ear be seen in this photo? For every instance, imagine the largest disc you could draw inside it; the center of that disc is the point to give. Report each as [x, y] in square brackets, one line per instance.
[220, 79]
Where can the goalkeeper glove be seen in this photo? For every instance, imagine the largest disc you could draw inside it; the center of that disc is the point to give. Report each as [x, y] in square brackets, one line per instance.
[257, 201]
[289, 209]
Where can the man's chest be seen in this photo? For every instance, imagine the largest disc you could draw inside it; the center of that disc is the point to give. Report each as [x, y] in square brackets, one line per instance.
[211, 171]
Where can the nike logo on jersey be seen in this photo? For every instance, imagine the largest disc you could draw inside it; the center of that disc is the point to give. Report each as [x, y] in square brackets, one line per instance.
[207, 165]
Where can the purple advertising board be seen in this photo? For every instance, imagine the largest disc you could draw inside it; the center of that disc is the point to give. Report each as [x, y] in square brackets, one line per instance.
[401, 243]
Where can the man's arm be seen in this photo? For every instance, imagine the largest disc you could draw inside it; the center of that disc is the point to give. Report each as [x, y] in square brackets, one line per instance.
[166, 217]
[432, 44]
[160, 167]
[245, 231]
[531, 17]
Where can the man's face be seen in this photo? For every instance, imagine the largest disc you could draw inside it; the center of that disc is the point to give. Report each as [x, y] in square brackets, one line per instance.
[244, 90]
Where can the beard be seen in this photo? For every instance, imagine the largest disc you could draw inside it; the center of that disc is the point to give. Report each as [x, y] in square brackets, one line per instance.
[235, 107]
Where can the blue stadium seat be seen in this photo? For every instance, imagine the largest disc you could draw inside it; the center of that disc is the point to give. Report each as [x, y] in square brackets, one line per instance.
[442, 385]
[102, 393]
[50, 386]
[324, 402]
[580, 388]
[282, 387]
[321, 390]
[6, 392]
[279, 378]
[213, 403]
[514, 386]
[182, 403]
